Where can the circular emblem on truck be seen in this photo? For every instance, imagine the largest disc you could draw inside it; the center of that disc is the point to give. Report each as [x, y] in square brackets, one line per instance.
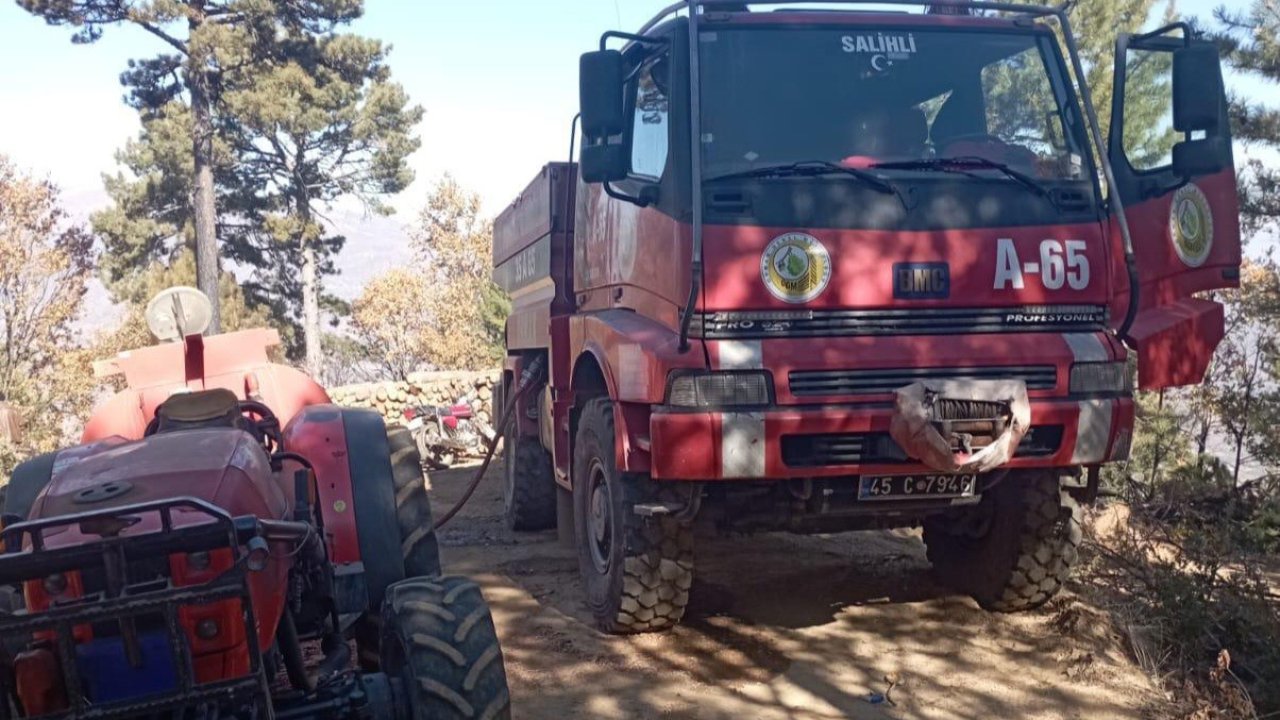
[1191, 225]
[795, 267]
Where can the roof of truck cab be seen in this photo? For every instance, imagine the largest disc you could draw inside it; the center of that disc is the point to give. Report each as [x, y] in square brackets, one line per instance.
[849, 18]
[845, 18]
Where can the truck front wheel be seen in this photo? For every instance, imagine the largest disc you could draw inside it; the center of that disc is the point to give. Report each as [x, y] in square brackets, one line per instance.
[637, 570]
[1015, 550]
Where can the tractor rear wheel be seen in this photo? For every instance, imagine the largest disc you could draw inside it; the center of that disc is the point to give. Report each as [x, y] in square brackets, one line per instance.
[438, 638]
[26, 482]
[1016, 549]
[418, 543]
[637, 570]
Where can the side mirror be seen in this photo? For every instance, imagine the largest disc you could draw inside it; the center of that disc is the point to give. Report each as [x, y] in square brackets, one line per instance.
[600, 81]
[603, 163]
[1197, 88]
[1192, 158]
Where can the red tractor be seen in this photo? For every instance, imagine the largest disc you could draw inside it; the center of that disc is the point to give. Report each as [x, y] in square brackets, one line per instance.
[220, 540]
[841, 267]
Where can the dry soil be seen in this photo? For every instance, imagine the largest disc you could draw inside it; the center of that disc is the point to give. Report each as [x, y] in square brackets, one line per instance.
[783, 626]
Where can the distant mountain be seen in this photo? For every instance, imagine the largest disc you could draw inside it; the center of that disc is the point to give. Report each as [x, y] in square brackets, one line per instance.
[375, 244]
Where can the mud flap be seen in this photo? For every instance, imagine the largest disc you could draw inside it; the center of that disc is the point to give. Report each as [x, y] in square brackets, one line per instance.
[914, 422]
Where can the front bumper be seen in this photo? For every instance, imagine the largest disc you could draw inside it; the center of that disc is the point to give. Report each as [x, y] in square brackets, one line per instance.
[800, 441]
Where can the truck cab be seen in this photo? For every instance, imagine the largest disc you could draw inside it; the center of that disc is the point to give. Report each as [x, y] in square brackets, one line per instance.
[822, 270]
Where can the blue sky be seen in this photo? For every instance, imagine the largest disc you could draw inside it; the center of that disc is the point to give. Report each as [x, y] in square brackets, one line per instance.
[498, 80]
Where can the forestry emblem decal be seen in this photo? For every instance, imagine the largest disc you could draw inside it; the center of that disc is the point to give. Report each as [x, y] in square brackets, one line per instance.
[795, 267]
[1191, 225]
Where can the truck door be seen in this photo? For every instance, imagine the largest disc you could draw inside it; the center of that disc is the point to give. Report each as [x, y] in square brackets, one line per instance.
[1170, 150]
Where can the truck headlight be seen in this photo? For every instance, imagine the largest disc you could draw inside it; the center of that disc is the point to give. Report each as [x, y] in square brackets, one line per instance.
[719, 389]
[1110, 377]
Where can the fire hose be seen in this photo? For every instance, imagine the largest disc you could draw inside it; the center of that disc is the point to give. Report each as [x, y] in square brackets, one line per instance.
[531, 374]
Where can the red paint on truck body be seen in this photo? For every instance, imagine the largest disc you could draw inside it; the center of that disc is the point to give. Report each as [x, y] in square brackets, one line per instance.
[605, 308]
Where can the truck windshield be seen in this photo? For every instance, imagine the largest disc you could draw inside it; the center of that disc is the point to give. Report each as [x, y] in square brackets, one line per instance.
[884, 98]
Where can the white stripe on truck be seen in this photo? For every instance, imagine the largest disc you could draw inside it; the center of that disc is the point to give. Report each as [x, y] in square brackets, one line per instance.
[1093, 423]
[740, 355]
[1086, 347]
[1093, 430]
[741, 433]
[742, 445]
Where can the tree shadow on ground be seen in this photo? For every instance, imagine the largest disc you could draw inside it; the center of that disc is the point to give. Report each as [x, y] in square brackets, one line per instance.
[778, 627]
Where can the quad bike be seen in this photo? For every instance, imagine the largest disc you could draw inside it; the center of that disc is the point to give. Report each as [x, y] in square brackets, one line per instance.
[220, 541]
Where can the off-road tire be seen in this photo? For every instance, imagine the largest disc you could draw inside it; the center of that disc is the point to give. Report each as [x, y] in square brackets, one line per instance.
[528, 490]
[418, 543]
[645, 585]
[25, 484]
[439, 639]
[1025, 553]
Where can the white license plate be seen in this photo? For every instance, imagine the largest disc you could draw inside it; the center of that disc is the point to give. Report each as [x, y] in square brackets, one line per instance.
[416, 423]
[921, 486]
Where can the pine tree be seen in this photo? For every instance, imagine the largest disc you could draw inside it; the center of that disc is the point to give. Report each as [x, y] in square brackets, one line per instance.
[1251, 45]
[317, 118]
[198, 36]
[298, 116]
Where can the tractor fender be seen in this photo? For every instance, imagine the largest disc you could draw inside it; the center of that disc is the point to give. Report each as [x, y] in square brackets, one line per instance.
[356, 496]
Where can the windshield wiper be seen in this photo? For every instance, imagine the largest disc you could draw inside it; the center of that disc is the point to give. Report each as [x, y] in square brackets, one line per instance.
[813, 168]
[957, 164]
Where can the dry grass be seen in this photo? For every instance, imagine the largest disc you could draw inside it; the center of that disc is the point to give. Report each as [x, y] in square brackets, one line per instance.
[1197, 612]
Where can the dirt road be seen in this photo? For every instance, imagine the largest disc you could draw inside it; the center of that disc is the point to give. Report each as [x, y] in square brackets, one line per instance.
[781, 626]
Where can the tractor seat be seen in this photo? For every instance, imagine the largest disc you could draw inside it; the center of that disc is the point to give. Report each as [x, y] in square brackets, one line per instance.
[201, 409]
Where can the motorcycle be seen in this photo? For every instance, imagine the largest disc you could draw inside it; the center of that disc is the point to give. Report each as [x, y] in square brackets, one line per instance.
[446, 432]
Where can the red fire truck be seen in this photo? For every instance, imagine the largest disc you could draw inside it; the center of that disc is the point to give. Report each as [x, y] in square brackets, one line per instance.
[829, 269]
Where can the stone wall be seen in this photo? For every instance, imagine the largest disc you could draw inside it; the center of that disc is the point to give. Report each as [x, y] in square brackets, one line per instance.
[428, 388]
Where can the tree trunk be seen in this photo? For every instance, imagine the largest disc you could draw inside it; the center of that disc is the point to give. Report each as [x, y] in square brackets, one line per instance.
[310, 274]
[202, 197]
[311, 310]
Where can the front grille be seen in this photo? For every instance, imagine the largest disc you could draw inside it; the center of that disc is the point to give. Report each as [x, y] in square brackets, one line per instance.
[806, 383]
[879, 448]
[921, 321]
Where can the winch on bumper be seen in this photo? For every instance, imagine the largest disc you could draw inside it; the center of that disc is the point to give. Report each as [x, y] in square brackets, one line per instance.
[803, 441]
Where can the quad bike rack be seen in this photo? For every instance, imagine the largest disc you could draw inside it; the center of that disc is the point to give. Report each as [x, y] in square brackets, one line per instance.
[27, 558]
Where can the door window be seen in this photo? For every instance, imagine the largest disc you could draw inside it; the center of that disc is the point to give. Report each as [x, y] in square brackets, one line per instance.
[650, 132]
[1149, 136]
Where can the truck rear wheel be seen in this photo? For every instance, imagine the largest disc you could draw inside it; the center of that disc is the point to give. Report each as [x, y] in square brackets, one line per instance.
[529, 491]
[1015, 550]
[438, 638]
[637, 570]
